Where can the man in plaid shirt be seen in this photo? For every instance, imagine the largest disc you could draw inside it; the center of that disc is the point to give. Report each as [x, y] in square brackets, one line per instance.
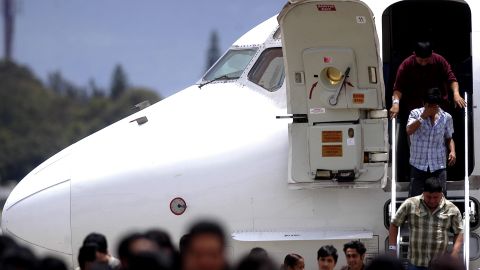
[430, 217]
[430, 130]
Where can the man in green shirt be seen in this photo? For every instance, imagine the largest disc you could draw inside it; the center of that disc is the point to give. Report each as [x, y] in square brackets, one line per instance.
[430, 217]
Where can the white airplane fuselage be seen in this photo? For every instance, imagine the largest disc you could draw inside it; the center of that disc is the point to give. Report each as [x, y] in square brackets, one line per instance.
[221, 150]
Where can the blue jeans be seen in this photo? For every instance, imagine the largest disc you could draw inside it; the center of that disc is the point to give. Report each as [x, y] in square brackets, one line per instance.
[418, 177]
[413, 267]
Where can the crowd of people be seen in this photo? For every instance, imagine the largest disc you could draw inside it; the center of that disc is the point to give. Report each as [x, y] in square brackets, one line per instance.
[202, 248]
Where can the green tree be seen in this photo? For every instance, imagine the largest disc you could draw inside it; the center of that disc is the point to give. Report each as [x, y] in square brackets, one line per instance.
[94, 89]
[28, 127]
[63, 87]
[37, 120]
[119, 82]
[213, 52]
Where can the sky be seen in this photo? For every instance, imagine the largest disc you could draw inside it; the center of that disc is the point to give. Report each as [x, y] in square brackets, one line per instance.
[161, 44]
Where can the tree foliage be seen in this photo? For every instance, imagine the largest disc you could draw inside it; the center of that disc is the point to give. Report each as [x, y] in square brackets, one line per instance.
[213, 52]
[119, 82]
[38, 120]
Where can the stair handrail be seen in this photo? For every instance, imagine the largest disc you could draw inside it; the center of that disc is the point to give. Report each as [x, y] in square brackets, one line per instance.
[466, 223]
[393, 200]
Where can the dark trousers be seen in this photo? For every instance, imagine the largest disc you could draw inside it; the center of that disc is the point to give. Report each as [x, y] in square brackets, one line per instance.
[418, 177]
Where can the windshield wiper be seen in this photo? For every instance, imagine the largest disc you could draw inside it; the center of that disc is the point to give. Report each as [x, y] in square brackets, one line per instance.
[223, 77]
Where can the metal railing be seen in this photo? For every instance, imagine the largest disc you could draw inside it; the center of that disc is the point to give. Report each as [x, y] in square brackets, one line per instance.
[466, 223]
[393, 201]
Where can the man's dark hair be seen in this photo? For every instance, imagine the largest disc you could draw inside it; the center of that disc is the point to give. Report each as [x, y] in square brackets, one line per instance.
[433, 96]
[164, 242]
[162, 238]
[326, 251]
[291, 260]
[98, 239]
[258, 252]
[256, 263]
[432, 184]
[357, 245]
[51, 263]
[87, 253]
[124, 252]
[18, 258]
[423, 49]
[203, 228]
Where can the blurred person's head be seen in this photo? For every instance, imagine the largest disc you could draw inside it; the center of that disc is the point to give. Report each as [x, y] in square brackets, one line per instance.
[133, 244]
[98, 239]
[354, 253]
[327, 257]
[102, 247]
[18, 258]
[204, 248]
[256, 262]
[446, 262]
[168, 250]
[162, 239]
[87, 256]
[183, 243]
[6, 243]
[293, 262]
[385, 262]
[51, 263]
[258, 252]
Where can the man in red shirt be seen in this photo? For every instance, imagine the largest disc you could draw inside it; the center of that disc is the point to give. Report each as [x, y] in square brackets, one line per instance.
[419, 72]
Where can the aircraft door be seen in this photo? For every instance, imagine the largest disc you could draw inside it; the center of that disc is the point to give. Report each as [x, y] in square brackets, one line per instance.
[335, 92]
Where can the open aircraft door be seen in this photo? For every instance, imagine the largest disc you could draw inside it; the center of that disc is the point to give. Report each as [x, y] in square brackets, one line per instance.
[335, 93]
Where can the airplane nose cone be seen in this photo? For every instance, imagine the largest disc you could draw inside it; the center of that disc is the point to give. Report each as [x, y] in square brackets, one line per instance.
[47, 212]
[37, 212]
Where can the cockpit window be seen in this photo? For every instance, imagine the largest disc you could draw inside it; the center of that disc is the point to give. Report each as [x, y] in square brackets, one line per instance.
[231, 65]
[269, 71]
